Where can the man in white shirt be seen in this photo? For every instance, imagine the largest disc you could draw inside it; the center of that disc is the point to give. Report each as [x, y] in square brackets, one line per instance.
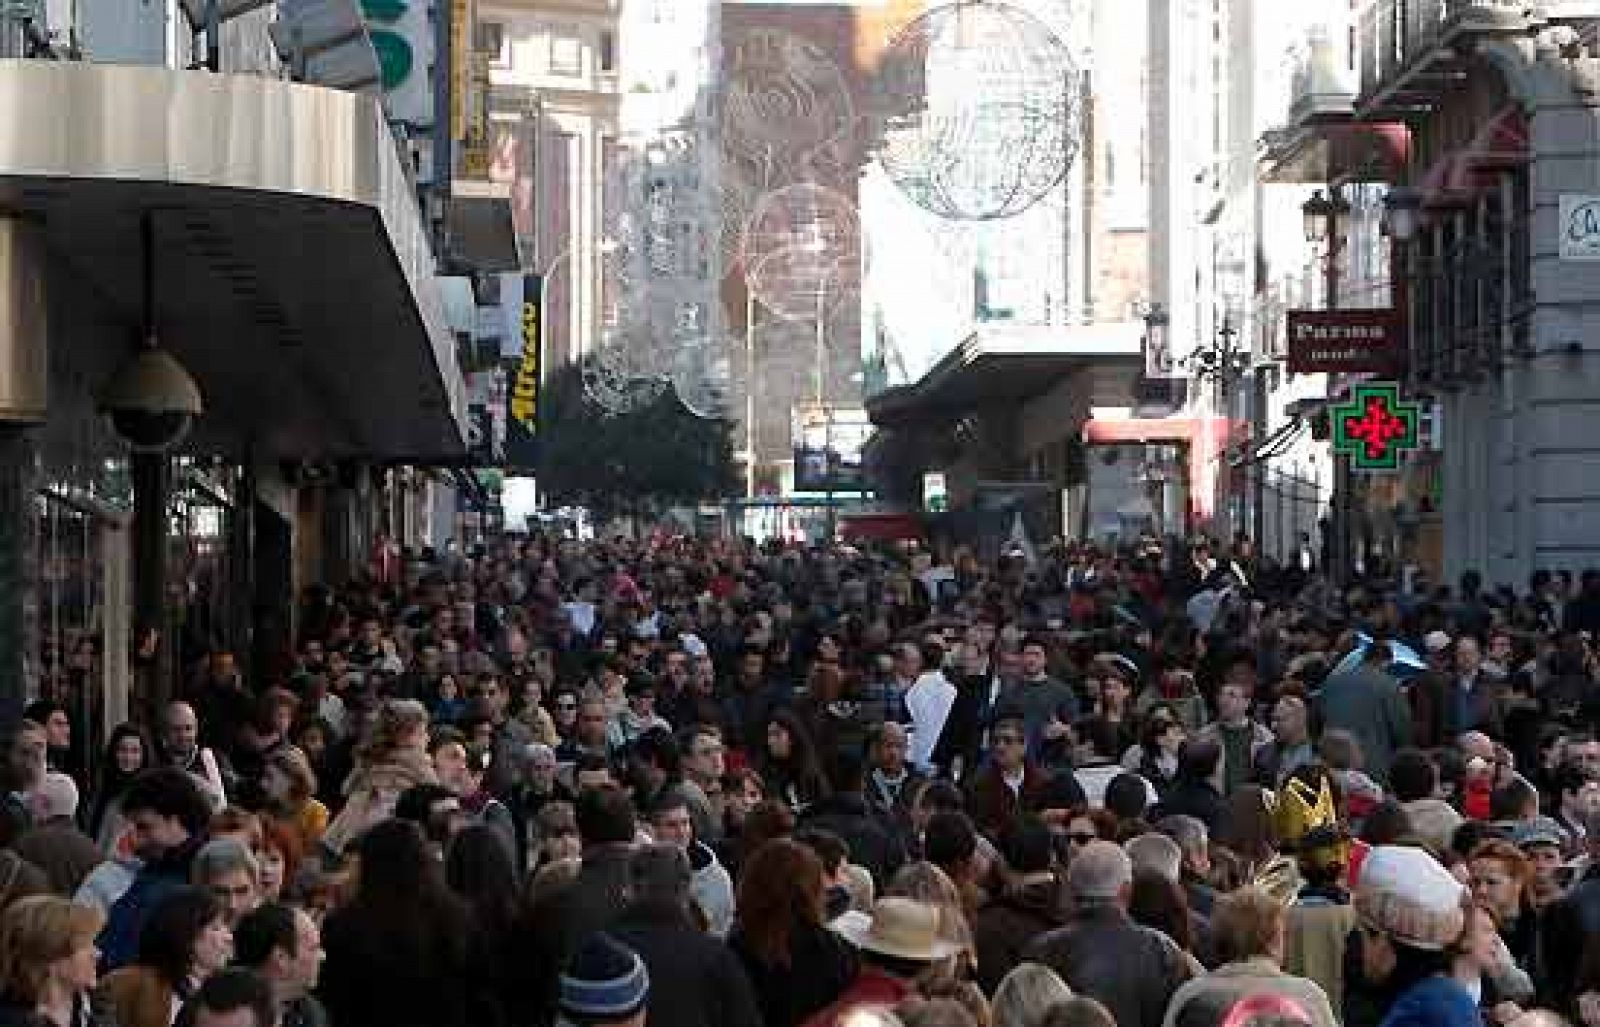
[929, 701]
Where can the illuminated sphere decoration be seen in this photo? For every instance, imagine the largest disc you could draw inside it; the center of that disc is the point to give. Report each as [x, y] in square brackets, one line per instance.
[702, 377]
[979, 102]
[802, 251]
[785, 105]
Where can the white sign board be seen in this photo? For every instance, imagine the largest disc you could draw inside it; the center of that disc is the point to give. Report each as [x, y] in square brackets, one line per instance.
[1580, 227]
[935, 497]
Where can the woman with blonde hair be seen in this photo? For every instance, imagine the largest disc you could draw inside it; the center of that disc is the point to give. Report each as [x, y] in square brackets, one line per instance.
[291, 787]
[391, 758]
[1026, 994]
[927, 883]
[47, 962]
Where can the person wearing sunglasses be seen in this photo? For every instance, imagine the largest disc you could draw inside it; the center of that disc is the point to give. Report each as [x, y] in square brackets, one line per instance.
[1011, 784]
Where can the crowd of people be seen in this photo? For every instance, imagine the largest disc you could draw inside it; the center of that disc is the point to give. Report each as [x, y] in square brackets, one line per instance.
[707, 782]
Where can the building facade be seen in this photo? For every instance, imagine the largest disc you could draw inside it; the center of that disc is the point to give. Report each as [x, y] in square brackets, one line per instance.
[557, 62]
[222, 228]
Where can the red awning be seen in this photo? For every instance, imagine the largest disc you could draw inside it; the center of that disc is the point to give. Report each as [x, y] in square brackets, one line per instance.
[1458, 176]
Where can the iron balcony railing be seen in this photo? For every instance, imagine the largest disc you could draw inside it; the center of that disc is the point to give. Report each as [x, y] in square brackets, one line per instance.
[1398, 35]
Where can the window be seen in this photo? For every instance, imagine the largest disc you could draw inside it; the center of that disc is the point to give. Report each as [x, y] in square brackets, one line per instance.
[492, 41]
[608, 50]
[566, 52]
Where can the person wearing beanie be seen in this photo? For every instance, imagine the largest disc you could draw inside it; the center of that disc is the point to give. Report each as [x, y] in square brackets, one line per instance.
[604, 984]
[1412, 916]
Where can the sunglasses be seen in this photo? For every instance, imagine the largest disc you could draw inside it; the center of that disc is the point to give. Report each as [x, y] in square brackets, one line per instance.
[1008, 739]
[1083, 838]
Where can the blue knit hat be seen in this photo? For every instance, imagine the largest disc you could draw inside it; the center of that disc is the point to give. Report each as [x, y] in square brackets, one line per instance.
[604, 982]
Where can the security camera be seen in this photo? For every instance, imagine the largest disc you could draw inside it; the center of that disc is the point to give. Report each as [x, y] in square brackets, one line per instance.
[152, 401]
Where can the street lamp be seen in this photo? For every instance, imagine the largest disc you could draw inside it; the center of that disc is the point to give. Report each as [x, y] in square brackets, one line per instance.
[1224, 360]
[1326, 219]
[1158, 352]
[1402, 213]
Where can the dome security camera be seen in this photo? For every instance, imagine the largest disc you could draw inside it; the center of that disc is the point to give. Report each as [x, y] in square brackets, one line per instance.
[152, 401]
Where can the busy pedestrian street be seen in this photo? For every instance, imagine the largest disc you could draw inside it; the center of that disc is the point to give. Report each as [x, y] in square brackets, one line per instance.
[799, 513]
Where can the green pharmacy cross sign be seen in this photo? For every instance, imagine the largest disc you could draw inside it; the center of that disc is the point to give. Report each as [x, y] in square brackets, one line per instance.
[1375, 426]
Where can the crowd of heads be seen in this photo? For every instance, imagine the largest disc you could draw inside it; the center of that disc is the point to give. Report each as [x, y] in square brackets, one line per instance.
[1079, 786]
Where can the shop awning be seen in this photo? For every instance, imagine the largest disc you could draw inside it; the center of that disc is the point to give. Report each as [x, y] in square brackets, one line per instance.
[294, 274]
[1008, 364]
[1343, 151]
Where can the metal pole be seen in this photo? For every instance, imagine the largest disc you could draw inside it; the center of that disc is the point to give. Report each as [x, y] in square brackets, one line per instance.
[1343, 536]
[749, 394]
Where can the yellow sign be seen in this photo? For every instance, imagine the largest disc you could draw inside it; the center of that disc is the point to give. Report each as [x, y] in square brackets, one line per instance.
[461, 45]
[525, 388]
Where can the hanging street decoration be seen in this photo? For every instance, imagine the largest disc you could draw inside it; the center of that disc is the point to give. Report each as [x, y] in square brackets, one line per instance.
[1375, 426]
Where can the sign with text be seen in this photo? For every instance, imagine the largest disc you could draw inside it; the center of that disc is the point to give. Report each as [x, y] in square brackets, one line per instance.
[1345, 342]
[1580, 227]
[522, 385]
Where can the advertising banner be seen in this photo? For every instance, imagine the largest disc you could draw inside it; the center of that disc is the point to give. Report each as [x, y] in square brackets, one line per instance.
[522, 392]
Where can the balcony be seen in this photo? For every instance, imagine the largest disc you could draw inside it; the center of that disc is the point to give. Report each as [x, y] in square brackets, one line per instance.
[1409, 52]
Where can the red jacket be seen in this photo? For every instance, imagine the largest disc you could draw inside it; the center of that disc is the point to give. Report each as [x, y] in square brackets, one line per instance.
[872, 989]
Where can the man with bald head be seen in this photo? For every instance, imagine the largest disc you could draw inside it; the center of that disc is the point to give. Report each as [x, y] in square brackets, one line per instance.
[1101, 952]
[181, 748]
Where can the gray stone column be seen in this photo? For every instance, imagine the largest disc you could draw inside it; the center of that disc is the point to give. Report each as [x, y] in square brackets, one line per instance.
[1559, 413]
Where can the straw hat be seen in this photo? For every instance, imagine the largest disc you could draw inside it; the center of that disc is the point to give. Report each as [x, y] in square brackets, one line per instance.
[899, 927]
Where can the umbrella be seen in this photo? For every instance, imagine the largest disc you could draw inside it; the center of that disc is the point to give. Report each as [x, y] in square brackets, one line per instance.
[1407, 664]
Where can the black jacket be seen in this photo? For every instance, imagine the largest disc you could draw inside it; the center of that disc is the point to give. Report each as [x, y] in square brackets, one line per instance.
[1567, 926]
[1005, 927]
[872, 843]
[554, 928]
[1197, 799]
[821, 966]
[416, 978]
[695, 981]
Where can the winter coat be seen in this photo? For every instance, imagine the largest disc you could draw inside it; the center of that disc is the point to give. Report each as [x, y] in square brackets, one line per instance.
[137, 997]
[993, 804]
[1319, 925]
[821, 966]
[1436, 1001]
[871, 842]
[420, 977]
[556, 926]
[119, 939]
[695, 981]
[371, 792]
[1198, 799]
[1004, 928]
[1222, 987]
[1368, 703]
[1260, 739]
[1132, 970]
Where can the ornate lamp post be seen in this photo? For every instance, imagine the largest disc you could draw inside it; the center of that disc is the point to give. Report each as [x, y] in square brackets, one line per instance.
[1327, 219]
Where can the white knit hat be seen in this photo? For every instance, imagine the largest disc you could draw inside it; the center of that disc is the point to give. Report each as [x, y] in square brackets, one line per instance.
[1406, 894]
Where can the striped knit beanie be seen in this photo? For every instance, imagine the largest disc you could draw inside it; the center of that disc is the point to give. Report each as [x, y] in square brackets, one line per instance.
[604, 982]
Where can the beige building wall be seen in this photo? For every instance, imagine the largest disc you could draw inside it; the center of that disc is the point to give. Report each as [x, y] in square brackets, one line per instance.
[558, 61]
